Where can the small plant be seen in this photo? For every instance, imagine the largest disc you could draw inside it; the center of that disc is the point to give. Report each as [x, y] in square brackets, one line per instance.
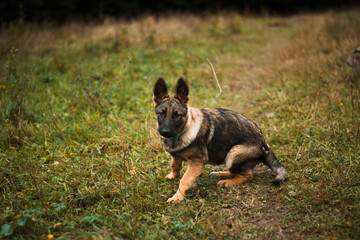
[14, 89]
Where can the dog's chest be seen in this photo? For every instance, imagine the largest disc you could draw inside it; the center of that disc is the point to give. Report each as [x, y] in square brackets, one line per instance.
[174, 146]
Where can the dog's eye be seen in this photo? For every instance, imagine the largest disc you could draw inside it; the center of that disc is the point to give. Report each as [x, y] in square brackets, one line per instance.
[162, 112]
[177, 115]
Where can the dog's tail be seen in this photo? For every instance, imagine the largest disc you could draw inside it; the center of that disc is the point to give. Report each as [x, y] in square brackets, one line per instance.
[273, 163]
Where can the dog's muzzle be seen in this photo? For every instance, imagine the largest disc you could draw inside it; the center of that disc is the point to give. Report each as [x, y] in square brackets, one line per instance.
[165, 132]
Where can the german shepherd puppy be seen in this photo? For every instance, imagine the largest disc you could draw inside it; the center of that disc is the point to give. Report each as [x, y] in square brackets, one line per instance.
[209, 136]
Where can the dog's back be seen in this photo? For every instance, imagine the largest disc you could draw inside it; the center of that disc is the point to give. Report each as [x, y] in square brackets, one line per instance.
[229, 129]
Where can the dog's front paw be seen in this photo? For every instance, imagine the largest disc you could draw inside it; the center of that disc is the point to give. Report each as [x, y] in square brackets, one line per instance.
[172, 175]
[175, 199]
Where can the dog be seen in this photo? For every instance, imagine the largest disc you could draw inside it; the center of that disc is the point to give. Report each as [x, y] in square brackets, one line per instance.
[215, 136]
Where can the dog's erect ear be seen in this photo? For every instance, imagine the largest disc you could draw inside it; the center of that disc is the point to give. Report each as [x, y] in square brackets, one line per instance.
[160, 91]
[182, 91]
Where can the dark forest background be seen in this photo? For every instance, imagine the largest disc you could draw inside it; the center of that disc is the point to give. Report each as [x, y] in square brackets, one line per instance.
[62, 10]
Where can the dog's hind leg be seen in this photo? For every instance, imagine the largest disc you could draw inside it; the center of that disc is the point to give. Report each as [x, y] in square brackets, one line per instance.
[237, 179]
[240, 161]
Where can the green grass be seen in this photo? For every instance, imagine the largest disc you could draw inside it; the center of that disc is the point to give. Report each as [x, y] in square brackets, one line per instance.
[79, 152]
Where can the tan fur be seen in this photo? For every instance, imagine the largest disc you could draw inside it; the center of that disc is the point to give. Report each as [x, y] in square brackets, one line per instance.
[222, 174]
[195, 167]
[237, 179]
[238, 152]
[212, 129]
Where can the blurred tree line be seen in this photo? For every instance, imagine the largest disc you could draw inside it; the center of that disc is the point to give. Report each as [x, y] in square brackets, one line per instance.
[62, 10]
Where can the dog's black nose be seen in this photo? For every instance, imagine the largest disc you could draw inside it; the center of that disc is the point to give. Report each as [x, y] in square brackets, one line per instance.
[165, 132]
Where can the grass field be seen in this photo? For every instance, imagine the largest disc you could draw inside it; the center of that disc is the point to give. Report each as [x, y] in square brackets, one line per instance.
[80, 156]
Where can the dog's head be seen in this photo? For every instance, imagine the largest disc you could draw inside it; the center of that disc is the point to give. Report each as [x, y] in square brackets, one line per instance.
[171, 110]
